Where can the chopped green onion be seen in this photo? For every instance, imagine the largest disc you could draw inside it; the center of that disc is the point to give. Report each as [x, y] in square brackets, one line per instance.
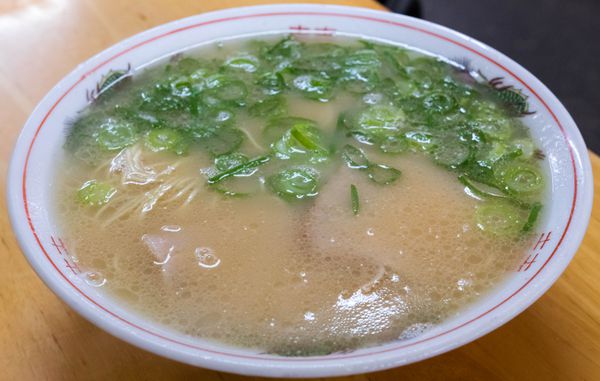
[187, 65]
[378, 173]
[420, 139]
[379, 121]
[271, 106]
[313, 86]
[394, 144]
[227, 89]
[439, 103]
[236, 186]
[246, 63]
[302, 136]
[525, 145]
[296, 138]
[182, 87]
[354, 198]
[166, 139]
[382, 174]
[116, 135]
[94, 193]
[451, 154]
[238, 169]
[272, 83]
[227, 161]
[295, 183]
[478, 191]
[496, 127]
[277, 127]
[522, 179]
[533, 216]
[222, 141]
[364, 58]
[500, 219]
[408, 103]
[354, 157]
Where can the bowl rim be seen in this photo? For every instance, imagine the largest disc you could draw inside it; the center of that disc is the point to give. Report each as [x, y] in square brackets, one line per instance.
[335, 365]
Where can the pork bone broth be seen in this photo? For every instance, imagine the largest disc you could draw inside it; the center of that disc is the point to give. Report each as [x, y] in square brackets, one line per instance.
[299, 196]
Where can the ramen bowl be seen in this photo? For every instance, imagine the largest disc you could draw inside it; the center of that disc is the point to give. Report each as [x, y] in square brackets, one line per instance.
[31, 185]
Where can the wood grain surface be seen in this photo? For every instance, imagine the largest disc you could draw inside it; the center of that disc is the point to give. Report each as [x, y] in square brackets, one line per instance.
[558, 338]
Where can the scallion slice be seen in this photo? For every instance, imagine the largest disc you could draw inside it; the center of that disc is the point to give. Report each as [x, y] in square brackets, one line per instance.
[239, 168]
[383, 174]
[354, 199]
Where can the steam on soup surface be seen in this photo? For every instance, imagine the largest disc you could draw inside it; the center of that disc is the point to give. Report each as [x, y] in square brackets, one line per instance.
[299, 195]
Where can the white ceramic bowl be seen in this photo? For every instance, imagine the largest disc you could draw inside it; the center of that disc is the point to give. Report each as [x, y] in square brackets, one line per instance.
[31, 182]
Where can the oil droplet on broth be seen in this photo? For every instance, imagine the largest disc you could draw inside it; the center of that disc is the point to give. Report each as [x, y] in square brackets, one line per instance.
[94, 278]
[207, 258]
[171, 228]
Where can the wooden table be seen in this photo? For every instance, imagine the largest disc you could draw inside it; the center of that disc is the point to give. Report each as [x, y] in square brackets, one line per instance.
[41, 338]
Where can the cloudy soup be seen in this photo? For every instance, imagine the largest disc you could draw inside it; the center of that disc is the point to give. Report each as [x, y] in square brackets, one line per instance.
[299, 195]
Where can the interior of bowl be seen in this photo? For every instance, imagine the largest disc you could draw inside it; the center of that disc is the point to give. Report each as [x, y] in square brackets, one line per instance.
[32, 175]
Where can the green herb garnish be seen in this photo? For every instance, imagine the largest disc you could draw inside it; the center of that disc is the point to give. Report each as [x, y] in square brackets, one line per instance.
[295, 183]
[533, 216]
[354, 199]
[94, 193]
[242, 106]
[239, 169]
